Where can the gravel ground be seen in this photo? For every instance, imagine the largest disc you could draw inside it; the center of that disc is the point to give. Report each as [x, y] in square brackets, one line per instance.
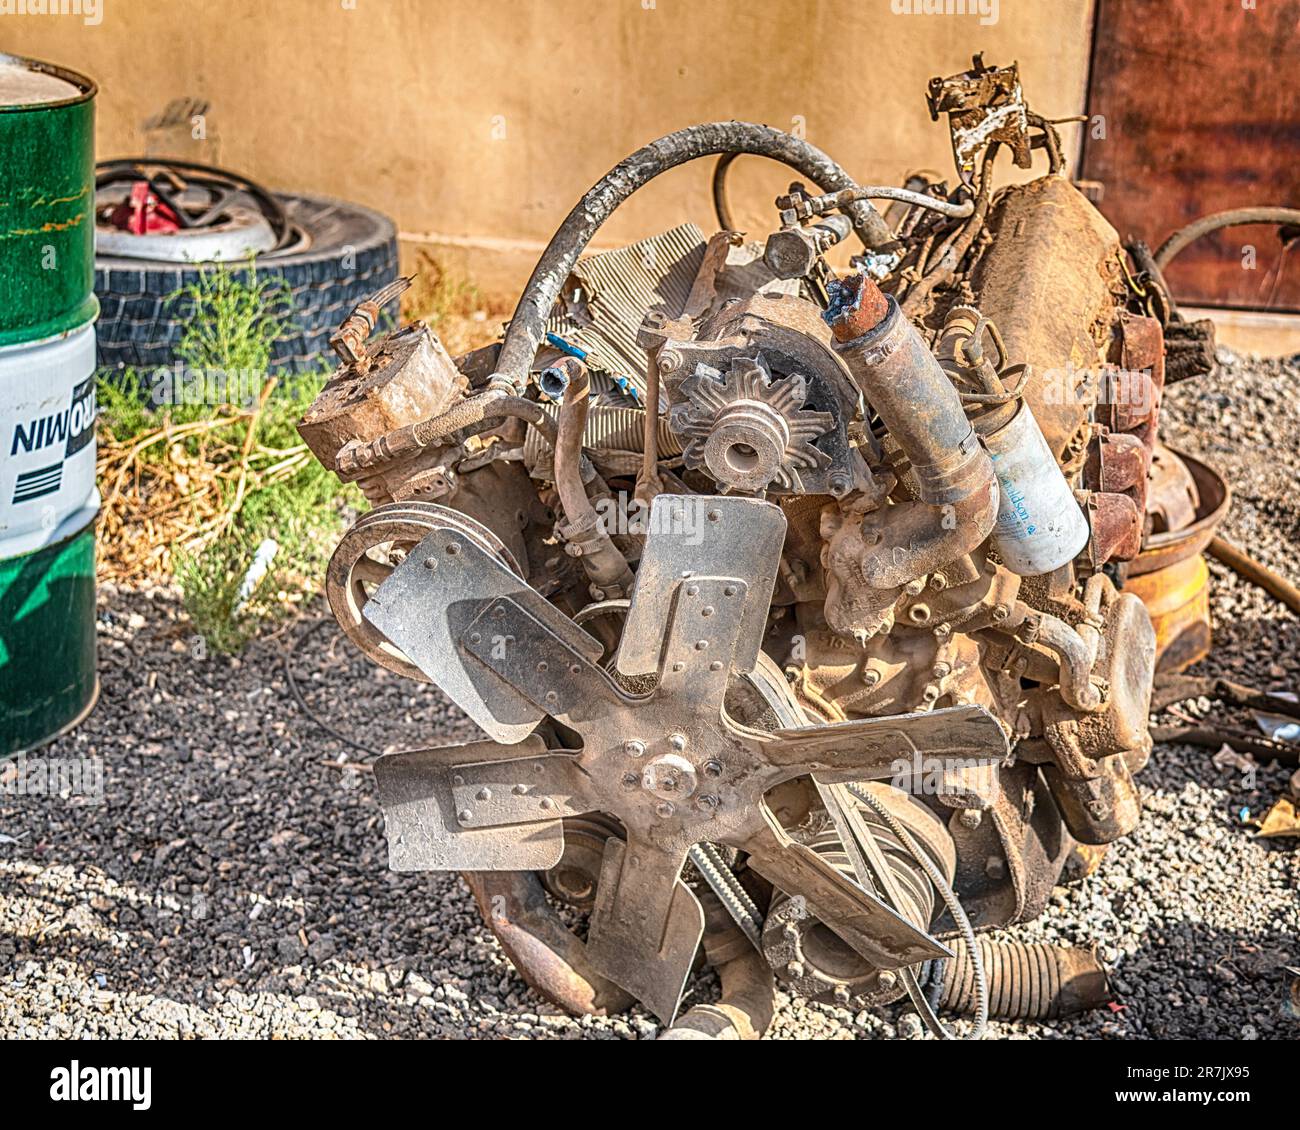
[233, 881]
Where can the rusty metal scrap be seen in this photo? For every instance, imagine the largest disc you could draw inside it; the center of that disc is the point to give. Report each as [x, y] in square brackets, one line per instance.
[984, 105]
[802, 615]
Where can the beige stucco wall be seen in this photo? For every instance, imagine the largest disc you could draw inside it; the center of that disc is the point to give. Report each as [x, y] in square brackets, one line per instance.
[477, 124]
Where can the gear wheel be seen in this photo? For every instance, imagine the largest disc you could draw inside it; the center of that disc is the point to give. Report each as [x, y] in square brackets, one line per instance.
[749, 431]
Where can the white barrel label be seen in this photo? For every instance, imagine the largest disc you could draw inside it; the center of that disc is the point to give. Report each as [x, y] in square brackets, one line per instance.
[47, 428]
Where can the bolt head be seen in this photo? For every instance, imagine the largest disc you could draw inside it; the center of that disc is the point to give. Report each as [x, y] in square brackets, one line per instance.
[707, 803]
[670, 361]
[795, 968]
[841, 994]
[634, 748]
[678, 741]
[664, 810]
[887, 979]
[713, 768]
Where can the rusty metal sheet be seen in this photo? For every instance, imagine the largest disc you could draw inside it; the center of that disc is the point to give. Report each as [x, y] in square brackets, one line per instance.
[1194, 124]
[720, 536]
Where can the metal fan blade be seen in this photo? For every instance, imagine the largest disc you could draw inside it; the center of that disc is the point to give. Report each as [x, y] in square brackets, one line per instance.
[477, 807]
[697, 536]
[863, 921]
[426, 611]
[871, 748]
[646, 924]
[540, 664]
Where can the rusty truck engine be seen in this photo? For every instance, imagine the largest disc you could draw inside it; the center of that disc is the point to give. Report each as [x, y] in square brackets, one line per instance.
[790, 599]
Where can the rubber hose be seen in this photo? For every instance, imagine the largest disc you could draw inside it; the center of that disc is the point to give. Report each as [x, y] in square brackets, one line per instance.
[528, 323]
[1236, 217]
[1241, 563]
[577, 507]
[602, 560]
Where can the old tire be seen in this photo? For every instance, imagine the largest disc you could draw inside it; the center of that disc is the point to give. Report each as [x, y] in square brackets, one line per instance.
[348, 253]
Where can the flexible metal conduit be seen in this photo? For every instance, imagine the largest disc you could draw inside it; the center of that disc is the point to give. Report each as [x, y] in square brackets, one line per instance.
[973, 958]
[609, 428]
[1026, 981]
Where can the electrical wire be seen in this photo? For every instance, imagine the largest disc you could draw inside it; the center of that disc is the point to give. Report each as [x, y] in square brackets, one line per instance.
[296, 692]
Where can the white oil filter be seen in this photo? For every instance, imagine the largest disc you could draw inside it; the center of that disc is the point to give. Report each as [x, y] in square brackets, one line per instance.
[1040, 526]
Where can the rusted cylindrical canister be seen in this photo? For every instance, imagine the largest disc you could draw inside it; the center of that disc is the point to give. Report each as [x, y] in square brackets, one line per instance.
[1040, 525]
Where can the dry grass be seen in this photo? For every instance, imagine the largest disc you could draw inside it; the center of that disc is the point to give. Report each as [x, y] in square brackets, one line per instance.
[191, 490]
[178, 486]
[453, 306]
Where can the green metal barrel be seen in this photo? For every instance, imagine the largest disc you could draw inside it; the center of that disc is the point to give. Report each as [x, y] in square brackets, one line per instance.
[48, 498]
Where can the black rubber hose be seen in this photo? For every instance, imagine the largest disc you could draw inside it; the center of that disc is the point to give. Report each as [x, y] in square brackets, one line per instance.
[528, 323]
[133, 168]
[721, 203]
[1237, 217]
